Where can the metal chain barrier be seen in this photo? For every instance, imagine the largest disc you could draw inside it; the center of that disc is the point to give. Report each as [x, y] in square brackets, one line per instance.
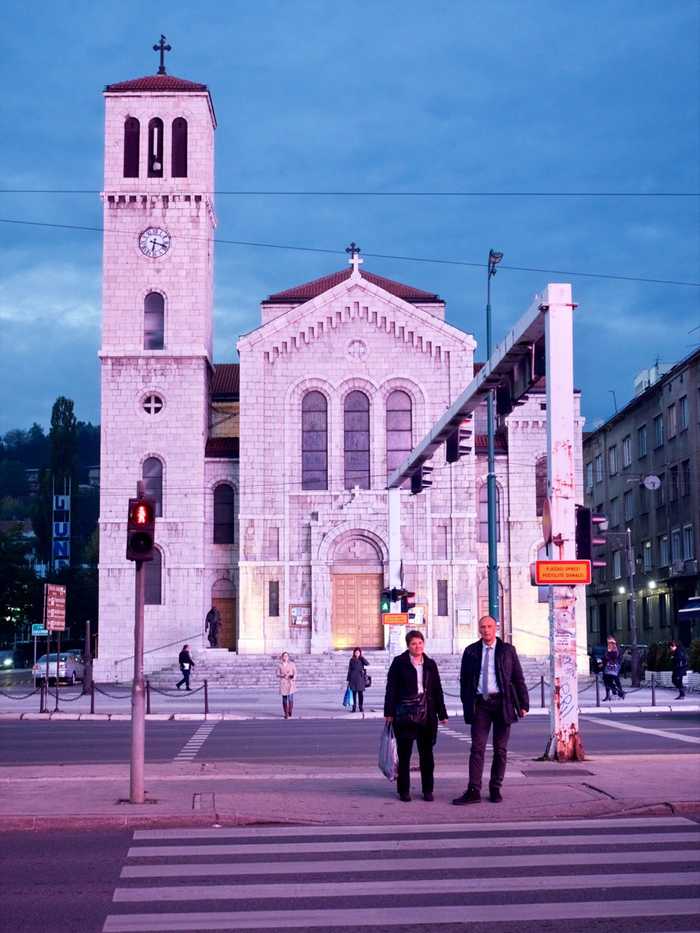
[120, 696]
[176, 693]
[23, 696]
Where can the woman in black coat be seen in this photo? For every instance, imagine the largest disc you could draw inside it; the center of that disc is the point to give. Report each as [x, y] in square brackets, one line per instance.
[357, 678]
[414, 703]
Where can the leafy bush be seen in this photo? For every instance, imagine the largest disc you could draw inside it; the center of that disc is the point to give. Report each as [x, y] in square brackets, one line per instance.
[694, 656]
[659, 657]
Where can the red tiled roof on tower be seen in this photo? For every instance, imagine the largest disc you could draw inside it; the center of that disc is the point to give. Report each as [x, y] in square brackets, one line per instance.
[309, 290]
[158, 83]
[225, 380]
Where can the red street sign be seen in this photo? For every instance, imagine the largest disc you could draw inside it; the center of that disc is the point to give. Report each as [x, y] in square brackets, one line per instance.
[395, 618]
[560, 572]
[55, 596]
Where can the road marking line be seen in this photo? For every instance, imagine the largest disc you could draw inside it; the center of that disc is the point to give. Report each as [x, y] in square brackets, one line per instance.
[397, 916]
[621, 823]
[399, 845]
[662, 733]
[291, 890]
[195, 742]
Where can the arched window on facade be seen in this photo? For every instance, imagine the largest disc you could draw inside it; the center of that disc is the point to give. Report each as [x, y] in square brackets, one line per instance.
[540, 484]
[132, 139]
[179, 148]
[399, 429]
[224, 514]
[153, 321]
[356, 440]
[155, 148]
[153, 580]
[153, 482]
[484, 513]
[314, 441]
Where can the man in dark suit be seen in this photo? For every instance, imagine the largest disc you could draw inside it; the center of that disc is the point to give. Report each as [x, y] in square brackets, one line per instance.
[493, 693]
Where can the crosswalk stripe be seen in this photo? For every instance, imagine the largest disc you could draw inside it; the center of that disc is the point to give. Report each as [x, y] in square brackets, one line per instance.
[241, 892]
[411, 829]
[195, 742]
[286, 918]
[645, 730]
[398, 845]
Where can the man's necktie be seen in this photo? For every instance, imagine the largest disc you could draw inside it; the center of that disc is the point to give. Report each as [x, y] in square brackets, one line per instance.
[485, 673]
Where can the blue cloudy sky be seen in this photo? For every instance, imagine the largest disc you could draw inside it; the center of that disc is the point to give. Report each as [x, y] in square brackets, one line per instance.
[452, 95]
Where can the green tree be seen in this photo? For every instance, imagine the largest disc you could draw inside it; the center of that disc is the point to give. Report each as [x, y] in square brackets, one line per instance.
[63, 440]
[18, 583]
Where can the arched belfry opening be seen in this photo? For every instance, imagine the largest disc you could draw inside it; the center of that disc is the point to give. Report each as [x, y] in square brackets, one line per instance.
[179, 148]
[132, 141]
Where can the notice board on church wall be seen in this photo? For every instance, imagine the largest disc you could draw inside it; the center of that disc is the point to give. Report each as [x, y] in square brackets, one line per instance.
[300, 615]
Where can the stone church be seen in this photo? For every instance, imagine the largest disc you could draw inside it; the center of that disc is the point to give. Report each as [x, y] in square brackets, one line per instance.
[270, 474]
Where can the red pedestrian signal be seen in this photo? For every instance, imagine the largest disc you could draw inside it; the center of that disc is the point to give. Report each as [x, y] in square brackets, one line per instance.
[140, 531]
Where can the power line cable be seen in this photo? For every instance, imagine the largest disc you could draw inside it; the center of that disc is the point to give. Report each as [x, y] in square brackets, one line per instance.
[316, 249]
[391, 194]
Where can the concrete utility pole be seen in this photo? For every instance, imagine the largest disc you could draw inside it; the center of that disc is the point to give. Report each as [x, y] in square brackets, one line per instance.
[138, 687]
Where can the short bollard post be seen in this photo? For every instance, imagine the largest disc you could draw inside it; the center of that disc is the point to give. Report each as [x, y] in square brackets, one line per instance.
[92, 697]
[542, 691]
[148, 697]
[206, 697]
[597, 691]
[41, 697]
[653, 690]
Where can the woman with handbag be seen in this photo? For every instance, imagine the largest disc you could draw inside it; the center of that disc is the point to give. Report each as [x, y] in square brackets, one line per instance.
[414, 703]
[357, 679]
[287, 673]
[611, 671]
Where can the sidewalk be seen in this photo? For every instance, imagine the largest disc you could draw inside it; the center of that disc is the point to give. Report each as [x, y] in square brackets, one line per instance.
[310, 703]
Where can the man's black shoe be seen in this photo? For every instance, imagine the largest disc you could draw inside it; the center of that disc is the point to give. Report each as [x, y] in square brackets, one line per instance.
[471, 795]
[429, 797]
[405, 797]
[495, 795]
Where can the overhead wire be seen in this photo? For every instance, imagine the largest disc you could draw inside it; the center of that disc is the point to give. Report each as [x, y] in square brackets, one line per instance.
[258, 193]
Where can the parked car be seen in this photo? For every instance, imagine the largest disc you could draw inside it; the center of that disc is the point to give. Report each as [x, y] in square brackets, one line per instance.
[71, 668]
[7, 661]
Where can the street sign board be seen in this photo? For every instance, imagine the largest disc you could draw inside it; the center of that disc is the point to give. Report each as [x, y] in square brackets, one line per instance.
[55, 597]
[38, 630]
[395, 618]
[561, 572]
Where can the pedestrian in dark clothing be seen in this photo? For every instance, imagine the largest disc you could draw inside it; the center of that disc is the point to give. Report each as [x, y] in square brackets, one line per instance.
[680, 668]
[414, 703]
[184, 659]
[357, 679]
[612, 661]
[493, 693]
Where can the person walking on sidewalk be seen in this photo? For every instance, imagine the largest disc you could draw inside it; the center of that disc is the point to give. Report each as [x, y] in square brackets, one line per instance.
[493, 693]
[184, 659]
[357, 678]
[287, 674]
[611, 671]
[414, 703]
[680, 668]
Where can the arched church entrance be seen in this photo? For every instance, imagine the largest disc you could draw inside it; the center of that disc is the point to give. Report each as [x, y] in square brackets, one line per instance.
[223, 598]
[357, 574]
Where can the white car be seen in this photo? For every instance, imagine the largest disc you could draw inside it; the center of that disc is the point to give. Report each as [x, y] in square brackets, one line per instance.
[71, 668]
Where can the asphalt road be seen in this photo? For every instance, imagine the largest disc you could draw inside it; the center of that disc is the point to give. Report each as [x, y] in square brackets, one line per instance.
[629, 875]
[322, 742]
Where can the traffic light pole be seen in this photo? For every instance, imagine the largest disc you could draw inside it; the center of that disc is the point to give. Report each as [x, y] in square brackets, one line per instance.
[138, 688]
[492, 514]
[634, 660]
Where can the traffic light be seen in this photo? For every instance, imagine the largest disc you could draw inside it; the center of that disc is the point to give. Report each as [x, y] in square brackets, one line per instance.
[459, 443]
[405, 605]
[140, 529]
[421, 479]
[589, 530]
[385, 601]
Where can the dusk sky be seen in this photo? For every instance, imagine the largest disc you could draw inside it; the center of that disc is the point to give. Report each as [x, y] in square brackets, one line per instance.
[506, 97]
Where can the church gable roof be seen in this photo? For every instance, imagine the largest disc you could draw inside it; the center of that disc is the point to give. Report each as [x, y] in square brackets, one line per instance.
[308, 290]
[225, 380]
[155, 83]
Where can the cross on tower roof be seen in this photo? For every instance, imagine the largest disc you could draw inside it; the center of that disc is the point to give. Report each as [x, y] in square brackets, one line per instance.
[162, 48]
[354, 252]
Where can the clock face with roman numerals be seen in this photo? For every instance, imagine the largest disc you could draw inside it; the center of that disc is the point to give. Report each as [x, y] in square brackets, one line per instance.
[154, 242]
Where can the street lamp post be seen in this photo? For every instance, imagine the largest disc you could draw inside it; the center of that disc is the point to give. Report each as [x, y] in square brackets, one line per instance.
[494, 259]
[635, 667]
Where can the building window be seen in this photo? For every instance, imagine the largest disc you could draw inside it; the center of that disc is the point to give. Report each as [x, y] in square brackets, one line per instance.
[540, 484]
[153, 321]
[626, 451]
[628, 505]
[179, 151]
[643, 500]
[617, 565]
[663, 551]
[152, 404]
[399, 429]
[661, 491]
[647, 557]
[153, 580]
[594, 619]
[615, 621]
[484, 513]
[642, 441]
[612, 460]
[663, 610]
[672, 420]
[442, 597]
[676, 545]
[688, 543]
[314, 441]
[646, 615]
[224, 514]
[599, 468]
[132, 137]
[658, 431]
[273, 597]
[614, 511]
[683, 413]
[153, 482]
[155, 148]
[356, 440]
[685, 478]
[589, 477]
[673, 484]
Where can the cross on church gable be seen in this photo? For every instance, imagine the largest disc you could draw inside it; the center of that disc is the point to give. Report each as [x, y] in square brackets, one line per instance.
[355, 261]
